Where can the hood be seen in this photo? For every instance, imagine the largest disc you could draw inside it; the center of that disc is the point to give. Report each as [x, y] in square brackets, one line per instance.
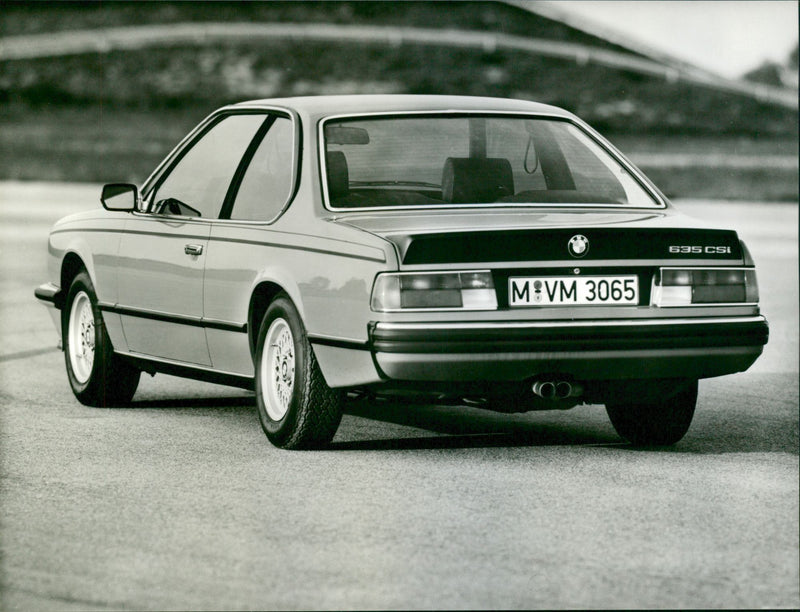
[502, 235]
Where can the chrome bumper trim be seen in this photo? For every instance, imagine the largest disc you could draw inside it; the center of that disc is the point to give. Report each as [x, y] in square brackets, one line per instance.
[532, 325]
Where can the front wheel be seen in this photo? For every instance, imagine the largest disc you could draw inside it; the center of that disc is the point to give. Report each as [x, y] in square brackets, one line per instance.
[659, 423]
[98, 377]
[296, 407]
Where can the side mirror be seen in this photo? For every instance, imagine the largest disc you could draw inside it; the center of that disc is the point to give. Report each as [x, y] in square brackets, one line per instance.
[120, 196]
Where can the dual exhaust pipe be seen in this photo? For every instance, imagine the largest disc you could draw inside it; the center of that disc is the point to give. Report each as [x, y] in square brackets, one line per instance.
[556, 389]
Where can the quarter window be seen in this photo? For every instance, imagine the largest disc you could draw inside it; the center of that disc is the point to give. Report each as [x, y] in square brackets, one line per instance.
[268, 180]
[197, 185]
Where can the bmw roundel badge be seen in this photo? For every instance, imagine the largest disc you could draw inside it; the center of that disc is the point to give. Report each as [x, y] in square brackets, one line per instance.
[578, 245]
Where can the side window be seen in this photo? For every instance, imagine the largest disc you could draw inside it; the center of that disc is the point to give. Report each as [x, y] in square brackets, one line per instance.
[197, 185]
[268, 180]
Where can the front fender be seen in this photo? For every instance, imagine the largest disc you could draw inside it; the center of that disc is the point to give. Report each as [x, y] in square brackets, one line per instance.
[94, 242]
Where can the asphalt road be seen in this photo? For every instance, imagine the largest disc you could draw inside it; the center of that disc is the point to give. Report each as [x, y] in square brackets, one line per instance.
[179, 502]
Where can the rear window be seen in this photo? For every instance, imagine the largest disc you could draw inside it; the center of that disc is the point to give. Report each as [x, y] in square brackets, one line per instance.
[433, 161]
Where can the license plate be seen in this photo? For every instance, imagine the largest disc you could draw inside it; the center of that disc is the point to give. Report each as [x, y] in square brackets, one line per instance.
[573, 290]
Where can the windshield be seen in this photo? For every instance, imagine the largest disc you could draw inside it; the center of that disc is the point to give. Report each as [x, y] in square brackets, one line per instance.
[445, 160]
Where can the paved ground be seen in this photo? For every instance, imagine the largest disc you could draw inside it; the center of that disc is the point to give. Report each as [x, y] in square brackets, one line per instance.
[179, 502]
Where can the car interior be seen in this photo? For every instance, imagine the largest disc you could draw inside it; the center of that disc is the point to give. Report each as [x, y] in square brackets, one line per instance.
[465, 180]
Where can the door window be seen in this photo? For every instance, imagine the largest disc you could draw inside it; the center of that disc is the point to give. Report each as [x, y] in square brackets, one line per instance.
[197, 184]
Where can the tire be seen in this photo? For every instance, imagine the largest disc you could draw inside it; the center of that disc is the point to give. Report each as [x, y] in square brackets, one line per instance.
[98, 376]
[296, 407]
[659, 423]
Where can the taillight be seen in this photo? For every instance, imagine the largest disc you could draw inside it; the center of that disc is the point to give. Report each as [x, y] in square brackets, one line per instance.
[688, 286]
[473, 290]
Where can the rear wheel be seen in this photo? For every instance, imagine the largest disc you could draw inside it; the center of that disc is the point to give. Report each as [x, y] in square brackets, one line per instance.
[296, 407]
[98, 377]
[659, 423]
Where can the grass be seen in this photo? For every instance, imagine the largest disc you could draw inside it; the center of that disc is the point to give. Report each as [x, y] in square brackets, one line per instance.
[732, 145]
[105, 144]
[92, 144]
[757, 184]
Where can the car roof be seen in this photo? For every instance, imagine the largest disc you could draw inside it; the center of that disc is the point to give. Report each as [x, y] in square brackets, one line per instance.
[326, 106]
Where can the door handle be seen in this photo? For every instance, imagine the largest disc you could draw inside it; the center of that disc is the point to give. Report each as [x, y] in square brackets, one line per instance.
[193, 249]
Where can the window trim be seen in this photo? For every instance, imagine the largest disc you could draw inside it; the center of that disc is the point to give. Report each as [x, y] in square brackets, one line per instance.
[645, 183]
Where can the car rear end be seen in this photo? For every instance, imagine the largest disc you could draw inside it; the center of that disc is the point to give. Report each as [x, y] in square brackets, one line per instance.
[537, 267]
[516, 305]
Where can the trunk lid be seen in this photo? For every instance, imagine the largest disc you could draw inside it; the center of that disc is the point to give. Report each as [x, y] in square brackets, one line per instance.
[497, 236]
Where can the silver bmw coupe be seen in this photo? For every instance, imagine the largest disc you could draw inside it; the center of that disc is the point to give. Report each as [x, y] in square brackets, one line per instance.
[476, 251]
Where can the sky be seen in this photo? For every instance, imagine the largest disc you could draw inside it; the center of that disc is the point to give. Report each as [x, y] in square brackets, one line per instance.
[725, 36]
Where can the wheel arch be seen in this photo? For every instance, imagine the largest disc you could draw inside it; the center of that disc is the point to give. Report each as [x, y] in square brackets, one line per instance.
[263, 295]
[71, 266]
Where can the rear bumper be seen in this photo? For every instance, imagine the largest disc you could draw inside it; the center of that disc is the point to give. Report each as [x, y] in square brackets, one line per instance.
[596, 350]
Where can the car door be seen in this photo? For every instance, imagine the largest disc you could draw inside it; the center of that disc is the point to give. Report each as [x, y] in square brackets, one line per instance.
[162, 254]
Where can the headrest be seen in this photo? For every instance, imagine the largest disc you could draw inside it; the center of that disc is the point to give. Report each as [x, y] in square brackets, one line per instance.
[338, 176]
[469, 180]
